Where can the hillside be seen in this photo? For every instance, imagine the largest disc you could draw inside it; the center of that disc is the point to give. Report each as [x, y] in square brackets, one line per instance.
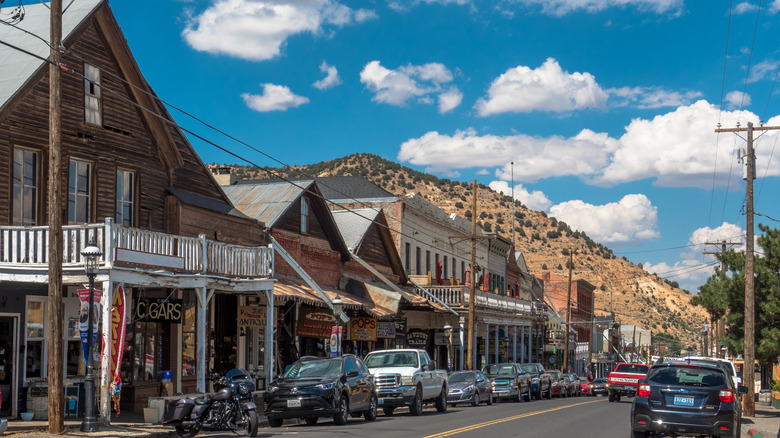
[635, 296]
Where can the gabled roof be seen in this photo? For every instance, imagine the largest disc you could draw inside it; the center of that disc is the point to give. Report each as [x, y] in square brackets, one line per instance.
[354, 224]
[19, 67]
[212, 204]
[349, 188]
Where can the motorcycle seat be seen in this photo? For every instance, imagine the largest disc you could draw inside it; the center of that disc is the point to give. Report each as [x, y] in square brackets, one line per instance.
[201, 400]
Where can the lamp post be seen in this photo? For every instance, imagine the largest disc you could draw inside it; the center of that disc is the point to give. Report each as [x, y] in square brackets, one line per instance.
[338, 310]
[91, 254]
[448, 335]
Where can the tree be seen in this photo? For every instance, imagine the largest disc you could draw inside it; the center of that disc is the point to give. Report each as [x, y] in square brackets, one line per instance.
[729, 287]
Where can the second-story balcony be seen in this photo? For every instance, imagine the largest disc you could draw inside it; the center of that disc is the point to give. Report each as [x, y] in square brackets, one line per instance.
[26, 249]
[457, 297]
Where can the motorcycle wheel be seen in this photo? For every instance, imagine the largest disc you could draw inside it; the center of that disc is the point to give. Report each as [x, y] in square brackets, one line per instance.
[186, 432]
[251, 423]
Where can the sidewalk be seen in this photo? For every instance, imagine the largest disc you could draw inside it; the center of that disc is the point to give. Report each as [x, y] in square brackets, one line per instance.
[766, 422]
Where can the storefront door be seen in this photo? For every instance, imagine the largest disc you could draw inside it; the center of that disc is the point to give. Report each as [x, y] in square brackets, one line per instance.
[9, 345]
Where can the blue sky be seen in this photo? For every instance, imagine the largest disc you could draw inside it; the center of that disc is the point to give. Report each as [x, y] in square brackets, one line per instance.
[606, 107]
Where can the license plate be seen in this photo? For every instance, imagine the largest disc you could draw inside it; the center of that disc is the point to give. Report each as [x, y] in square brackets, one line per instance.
[293, 403]
[381, 401]
[683, 401]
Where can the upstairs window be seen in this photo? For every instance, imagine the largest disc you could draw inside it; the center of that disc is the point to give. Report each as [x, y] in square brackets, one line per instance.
[25, 190]
[79, 192]
[92, 104]
[304, 215]
[125, 197]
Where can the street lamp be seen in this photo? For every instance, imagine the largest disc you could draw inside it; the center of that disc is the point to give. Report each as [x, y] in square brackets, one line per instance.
[91, 254]
[448, 335]
[338, 310]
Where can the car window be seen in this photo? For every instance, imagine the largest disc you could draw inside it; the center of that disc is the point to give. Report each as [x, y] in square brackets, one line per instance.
[423, 360]
[314, 368]
[349, 365]
[480, 375]
[687, 376]
[362, 367]
[530, 368]
[499, 369]
[392, 359]
[632, 368]
[461, 377]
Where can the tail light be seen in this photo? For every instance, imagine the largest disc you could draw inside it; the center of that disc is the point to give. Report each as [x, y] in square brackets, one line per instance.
[726, 396]
[643, 391]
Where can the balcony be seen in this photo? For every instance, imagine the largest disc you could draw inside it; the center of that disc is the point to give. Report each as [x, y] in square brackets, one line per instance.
[26, 248]
[458, 297]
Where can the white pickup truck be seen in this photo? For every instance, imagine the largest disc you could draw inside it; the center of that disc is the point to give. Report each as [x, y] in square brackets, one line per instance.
[406, 378]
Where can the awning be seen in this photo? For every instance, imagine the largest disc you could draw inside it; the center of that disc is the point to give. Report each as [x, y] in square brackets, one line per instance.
[287, 290]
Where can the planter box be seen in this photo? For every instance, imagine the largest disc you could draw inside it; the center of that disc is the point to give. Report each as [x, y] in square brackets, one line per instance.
[776, 403]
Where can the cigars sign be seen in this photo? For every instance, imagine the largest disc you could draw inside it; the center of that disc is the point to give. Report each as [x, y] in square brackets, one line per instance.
[315, 323]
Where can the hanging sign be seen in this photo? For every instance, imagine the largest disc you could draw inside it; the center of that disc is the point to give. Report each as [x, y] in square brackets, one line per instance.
[315, 323]
[417, 339]
[84, 312]
[335, 341]
[385, 330]
[252, 317]
[158, 310]
[362, 329]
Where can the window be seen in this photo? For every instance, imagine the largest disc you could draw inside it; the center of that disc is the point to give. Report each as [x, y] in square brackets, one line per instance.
[35, 332]
[92, 111]
[408, 257]
[418, 261]
[304, 215]
[79, 188]
[188, 335]
[25, 196]
[445, 267]
[427, 262]
[146, 354]
[125, 197]
[463, 271]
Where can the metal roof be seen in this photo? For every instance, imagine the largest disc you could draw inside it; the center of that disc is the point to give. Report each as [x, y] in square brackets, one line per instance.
[266, 202]
[354, 224]
[18, 67]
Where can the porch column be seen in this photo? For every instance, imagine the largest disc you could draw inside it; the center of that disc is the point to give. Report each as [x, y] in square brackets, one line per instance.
[487, 343]
[268, 361]
[514, 344]
[522, 344]
[497, 329]
[105, 364]
[531, 344]
[200, 342]
[461, 324]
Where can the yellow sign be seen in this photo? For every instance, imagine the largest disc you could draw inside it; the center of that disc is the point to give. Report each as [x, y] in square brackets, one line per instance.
[362, 329]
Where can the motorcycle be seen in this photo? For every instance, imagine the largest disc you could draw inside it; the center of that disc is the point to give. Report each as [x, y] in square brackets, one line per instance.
[231, 408]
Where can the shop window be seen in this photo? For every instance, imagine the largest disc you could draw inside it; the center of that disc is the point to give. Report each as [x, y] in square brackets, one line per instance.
[408, 257]
[304, 215]
[446, 264]
[92, 103]
[189, 337]
[125, 197]
[146, 346]
[35, 332]
[79, 192]
[417, 261]
[25, 187]
[427, 262]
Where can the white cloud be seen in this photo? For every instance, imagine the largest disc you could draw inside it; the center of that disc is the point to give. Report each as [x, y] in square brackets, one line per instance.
[406, 5]
[651, 97]
[449, 100]
[632, 219]
[483, 172]
[331, 79]
[744, 7]
[737, 99]
[774, 7]
[546, 88]
[274, 98]
[535, 158]
[563, 7]
[535, 200]
[420, 82]
[763, 70]
[258, 29]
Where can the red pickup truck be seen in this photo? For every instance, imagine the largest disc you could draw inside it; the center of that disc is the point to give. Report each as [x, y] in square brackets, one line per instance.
[625, 379]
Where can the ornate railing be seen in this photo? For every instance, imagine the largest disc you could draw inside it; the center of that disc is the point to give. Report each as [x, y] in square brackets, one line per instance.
[27, 247]
[458, 297]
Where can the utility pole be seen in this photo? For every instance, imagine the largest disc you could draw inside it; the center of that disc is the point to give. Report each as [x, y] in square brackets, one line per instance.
[749, 402]
[722, 320]
[54, 205]
[512, 164]
[568, 317]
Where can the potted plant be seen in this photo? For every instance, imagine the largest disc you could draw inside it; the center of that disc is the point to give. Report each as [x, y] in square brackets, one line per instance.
[775, 386]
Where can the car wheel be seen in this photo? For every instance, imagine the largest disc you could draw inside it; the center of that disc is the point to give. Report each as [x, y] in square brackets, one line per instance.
[490, 398]
[617, 398]
[311, 421]
[529, 393]
[549, 393]
[475, 399]
[416, 408]
[388, 411]
[275, 422]
[370, 414]
[441, 400]
[342, 415]
[519, 397]
[611, 397]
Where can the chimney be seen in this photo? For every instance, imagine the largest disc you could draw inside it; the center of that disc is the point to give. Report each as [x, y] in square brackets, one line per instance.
[224, 176]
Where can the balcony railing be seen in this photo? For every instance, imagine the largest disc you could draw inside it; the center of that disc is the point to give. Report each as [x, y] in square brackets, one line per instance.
[27, 247]
[458, 297]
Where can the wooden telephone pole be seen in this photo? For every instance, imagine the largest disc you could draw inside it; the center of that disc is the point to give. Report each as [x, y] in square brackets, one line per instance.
[54, 205]
[720, 322]
[565, 366]
[749, 402]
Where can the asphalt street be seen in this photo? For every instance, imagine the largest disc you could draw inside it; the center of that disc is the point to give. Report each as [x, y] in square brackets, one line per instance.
[583, 417]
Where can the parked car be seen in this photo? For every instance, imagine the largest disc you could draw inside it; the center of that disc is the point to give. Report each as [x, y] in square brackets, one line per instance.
[557, 383]
[509, 381]
[583, 386]
[540, 380]
[311, 388]
[572, 385]
[687, 397]
[406, 377]
[624, 379]
[598, 386]
[469, 387]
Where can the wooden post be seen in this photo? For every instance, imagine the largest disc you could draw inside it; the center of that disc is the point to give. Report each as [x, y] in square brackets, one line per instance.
[54, 205]
[565, 366]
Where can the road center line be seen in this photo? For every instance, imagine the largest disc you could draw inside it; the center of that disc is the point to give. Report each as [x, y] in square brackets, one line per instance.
[503, 420]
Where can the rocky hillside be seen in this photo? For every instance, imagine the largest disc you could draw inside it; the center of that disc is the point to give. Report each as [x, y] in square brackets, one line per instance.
[635, 296]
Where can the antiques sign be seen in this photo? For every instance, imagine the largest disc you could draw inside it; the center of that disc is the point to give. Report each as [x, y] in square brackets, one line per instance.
[252, 316]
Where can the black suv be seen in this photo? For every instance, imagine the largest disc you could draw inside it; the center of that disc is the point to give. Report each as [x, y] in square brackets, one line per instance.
[540, 380]
[320, 387]
[687, 397]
